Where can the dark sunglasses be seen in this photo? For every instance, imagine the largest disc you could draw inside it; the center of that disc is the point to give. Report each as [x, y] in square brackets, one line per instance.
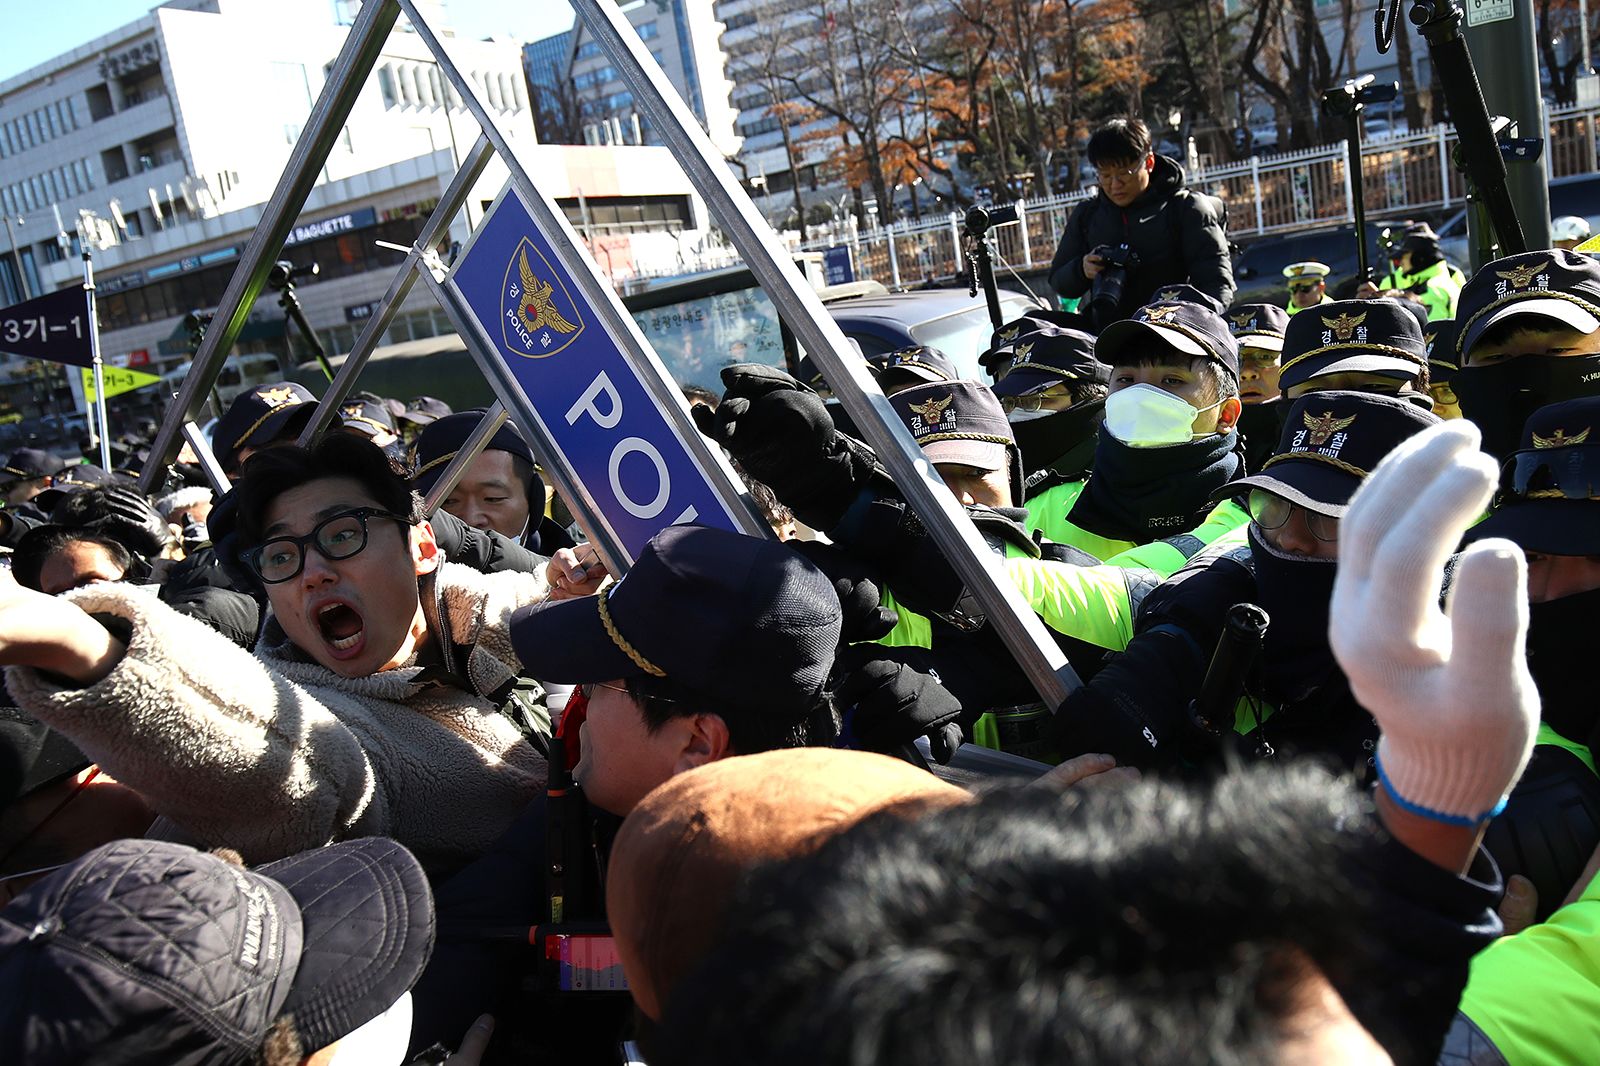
[1553, 473]
[336, 537]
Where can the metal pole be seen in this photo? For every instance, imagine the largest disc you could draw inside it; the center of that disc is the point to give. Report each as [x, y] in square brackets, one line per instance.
[798, 305]
[1349, 183]
[16, 258]
[1506, 58]
[345, 81]
[1255, 183]
[455, 195]
[94, 351]
[1444, 163]
[1027, 245]
[206, 458]
[894, 258]
[481, 434]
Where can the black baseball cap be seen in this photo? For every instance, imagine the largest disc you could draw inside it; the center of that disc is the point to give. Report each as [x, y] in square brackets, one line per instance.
[1439, 338]
[1258, 325]
[259, 416]
[1185, 291]
[1549, 498]
[1049, 356]
[1553, 284]
[438, 443]
[1347, 336]
[78, 478]
[703, 614]
[1331, 441]
[424, 410]
[144, 951]
[30, 464]
[916, 364]
[1175, 324]
[961, 422]
[367, 417]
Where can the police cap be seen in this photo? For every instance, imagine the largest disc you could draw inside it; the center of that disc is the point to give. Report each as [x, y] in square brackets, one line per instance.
[1346, 336]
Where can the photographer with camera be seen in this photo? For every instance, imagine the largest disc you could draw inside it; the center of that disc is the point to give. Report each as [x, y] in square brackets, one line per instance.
[1142, 230]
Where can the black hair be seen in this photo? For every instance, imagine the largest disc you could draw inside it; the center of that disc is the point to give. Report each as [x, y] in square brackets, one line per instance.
[268, 474]
[1087, 391]
[1157, 923]
[40, 543]
[1503, 331]
[1122, 140]
[749, 731]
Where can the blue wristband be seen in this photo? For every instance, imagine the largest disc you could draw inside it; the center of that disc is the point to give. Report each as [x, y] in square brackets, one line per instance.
[1428, 812]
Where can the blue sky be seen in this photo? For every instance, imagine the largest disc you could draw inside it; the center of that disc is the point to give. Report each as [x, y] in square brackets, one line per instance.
[30, 38]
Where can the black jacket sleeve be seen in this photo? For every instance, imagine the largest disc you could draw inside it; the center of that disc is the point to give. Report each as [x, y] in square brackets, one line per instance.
[1066, 269]
[1205, 247]
[233, 614]
[481, 549]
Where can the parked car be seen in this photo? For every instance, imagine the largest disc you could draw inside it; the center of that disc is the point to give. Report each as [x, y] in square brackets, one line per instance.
[1577, 195]
[1258, 267]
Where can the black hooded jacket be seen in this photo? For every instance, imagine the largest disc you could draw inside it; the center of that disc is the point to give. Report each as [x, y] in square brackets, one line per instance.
[1177, 234]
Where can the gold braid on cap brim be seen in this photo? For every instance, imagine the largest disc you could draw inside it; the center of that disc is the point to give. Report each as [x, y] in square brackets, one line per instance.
[1354, 346]
[1064, 375]
[257, 423]
[1337, 464]
[431, 463]
[987, 438]
[622, 642]
[1521, 294]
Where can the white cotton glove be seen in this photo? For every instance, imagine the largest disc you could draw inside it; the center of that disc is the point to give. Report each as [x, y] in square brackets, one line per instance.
[1450, 690]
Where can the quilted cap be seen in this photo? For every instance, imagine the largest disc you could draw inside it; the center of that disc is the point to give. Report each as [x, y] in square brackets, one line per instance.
[144, 951]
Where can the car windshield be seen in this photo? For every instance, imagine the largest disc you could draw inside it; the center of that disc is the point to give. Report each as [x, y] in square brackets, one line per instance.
[963, 336]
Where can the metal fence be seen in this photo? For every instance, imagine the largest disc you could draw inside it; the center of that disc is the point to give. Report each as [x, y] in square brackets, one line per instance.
[1403, 174]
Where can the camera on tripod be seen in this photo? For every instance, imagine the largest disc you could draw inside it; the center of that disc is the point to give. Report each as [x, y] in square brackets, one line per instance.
[981, 219]
[1356, 93]
[1105, 296]
[284, 274]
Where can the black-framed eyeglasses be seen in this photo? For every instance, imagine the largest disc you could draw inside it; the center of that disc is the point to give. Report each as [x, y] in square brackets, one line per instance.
[1271, 511]
[336, 537]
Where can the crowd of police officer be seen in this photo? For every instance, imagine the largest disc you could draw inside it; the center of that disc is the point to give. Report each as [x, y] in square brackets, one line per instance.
[1166, 483]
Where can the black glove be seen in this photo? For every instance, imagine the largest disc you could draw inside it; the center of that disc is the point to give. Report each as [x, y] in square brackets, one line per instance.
[128, 516]
[782, 434]
[864, 617]
[888, 704]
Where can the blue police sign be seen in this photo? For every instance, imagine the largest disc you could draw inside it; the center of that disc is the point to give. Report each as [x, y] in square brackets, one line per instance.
[590, 404]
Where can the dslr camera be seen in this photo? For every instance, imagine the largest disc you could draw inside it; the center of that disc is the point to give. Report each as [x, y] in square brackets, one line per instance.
[1105, 296]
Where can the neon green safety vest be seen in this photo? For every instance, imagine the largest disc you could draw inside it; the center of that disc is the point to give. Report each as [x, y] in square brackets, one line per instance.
[1537, 994]
[1441, 288]
[1047, 515]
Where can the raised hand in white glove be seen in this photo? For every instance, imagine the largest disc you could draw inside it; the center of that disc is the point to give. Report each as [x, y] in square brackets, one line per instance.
[1449, 689]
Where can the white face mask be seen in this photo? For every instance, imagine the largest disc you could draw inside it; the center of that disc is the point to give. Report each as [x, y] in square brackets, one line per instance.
[1143, 416]
[1028, 416]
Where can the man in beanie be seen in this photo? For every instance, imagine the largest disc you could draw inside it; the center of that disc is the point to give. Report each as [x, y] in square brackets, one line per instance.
[1137, 708]
[1528, 335]
[500, 490]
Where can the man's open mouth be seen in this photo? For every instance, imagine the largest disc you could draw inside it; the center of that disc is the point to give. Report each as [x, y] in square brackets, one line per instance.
[341, 626]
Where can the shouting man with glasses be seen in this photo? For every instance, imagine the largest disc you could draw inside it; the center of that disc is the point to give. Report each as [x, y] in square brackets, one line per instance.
[372, 704]
[1296, 702]
[1176, 234]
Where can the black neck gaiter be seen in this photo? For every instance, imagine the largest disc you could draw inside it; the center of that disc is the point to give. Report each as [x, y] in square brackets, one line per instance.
[1295, 591]
[1500, 397]
[1144, 494]
[1560, 644]
[1063, 442]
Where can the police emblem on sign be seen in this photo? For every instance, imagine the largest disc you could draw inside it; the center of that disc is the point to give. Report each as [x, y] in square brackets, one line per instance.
[538, 316]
